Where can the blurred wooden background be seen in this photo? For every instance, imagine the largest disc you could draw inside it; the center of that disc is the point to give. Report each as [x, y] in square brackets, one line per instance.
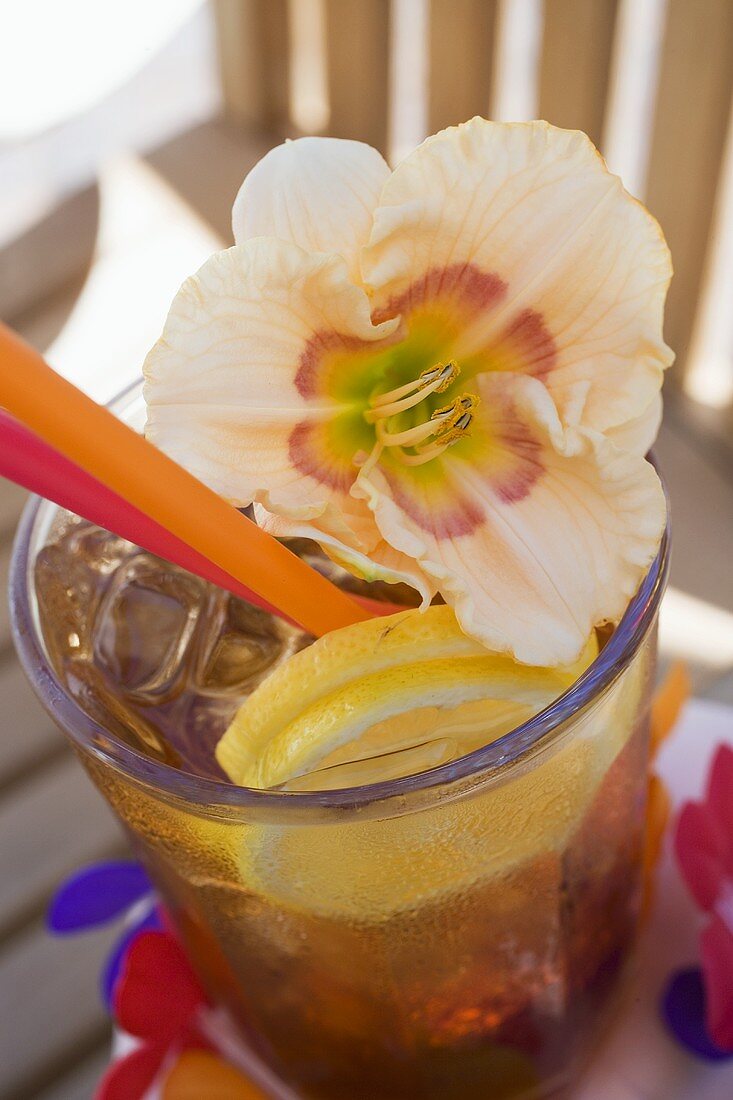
[650, 80]
[681, 59]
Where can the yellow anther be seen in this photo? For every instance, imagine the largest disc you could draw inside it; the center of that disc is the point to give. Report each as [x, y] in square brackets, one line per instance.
[443, 373]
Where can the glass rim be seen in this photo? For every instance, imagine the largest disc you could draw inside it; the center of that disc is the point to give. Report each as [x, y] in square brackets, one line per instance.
[499, 755]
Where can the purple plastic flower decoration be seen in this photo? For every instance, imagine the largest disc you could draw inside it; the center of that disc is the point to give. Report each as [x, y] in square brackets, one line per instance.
[99, 894]
[684, 1012]
[96, 895]
[704, 849]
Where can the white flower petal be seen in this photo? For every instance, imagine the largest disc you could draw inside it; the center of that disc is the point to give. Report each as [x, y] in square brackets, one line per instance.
[233, 386]
[319, 193]
[563, 275]
[638, 435]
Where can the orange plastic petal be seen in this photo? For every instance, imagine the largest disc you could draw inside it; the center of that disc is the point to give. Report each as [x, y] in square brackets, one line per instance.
[199, 1073]
[668, 703]
[657, 817]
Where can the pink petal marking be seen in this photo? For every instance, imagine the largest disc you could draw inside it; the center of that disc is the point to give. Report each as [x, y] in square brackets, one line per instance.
[525, 345]
[517, 485]
[309, 377]
[719, 799]
[523, 465]
[699, 853]
[528, 337]
[716, 946]
[458, 516]
[316, 459]
[477, 290]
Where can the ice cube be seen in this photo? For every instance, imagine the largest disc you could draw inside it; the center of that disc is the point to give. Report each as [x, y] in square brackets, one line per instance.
[70, 576]
[101, 551]
[192, 725]
[239, 645]
[123, 721]
[158, 657]
[144, 628]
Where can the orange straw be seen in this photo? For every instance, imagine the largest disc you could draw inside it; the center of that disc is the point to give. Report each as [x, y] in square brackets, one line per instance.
[89, 435]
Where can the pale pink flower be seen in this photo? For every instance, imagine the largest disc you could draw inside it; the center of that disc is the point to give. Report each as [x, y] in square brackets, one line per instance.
[448, 374]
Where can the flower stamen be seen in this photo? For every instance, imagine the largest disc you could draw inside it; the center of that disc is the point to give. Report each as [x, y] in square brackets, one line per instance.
[422, 442]
[447, 426]
[433, 380]
[412, 436]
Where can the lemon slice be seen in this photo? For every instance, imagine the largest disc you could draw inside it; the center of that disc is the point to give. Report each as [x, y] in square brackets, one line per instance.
[383, 698]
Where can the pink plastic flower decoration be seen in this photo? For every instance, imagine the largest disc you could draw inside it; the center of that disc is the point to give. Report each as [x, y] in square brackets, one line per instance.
[448, 374]
[157, 1000]
[704, 847]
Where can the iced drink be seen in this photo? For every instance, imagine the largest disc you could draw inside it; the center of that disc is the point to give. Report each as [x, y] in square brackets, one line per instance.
[427, 941]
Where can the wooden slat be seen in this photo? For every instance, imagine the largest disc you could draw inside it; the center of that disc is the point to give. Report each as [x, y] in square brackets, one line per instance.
[55, 252]
[28, 734]
[5, 636]
[691, 120]
[702, 518]
[53, 1013]
[460, 60]
[577, 47]
[12, 500]
[80, 1082]
[206, 166]
[711, 429]
[253, 49]
[357, 50]
[50, 825]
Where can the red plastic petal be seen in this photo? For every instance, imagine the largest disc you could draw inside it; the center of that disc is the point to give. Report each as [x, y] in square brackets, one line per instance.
[699, 853]
[716, 948]
[719, 799]
[191, 1037]
[132, 1076]
[157, 992]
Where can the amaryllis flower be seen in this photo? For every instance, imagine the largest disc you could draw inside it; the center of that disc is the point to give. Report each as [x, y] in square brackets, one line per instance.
[704, 848]
[448, 374]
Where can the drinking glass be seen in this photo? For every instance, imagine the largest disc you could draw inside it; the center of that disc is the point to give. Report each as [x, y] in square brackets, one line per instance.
[460, 933]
